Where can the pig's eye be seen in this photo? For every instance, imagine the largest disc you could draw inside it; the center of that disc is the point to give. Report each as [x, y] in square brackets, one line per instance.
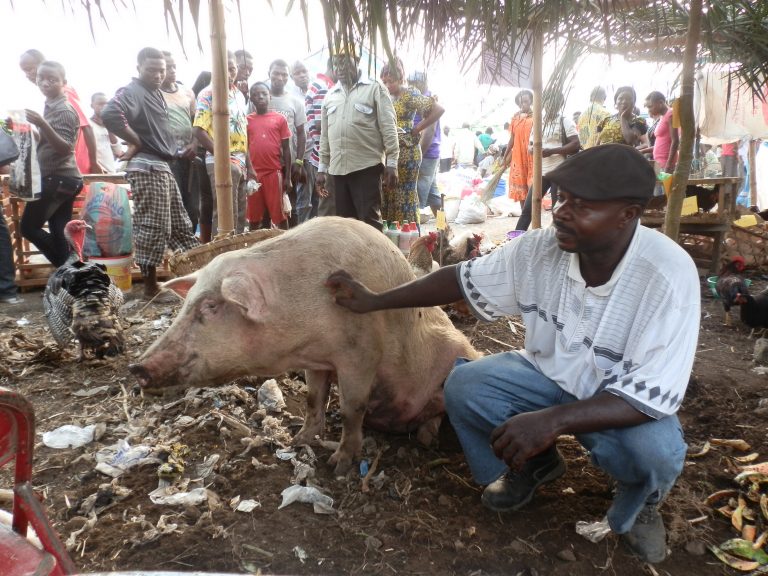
[207, 309]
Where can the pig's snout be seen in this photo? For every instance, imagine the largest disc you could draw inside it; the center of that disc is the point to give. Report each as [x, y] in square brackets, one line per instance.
[141, 373]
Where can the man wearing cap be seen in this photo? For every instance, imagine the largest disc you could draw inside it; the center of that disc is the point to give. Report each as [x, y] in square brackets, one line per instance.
[358, 141]
[611, 310]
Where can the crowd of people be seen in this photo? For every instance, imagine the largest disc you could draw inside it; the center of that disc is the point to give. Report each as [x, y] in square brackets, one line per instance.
[371, 151]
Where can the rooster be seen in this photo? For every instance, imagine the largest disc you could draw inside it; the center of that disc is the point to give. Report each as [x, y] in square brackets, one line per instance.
[81, 301]
[730, 285]
[454, 250]
[420, 257]
[754, 309]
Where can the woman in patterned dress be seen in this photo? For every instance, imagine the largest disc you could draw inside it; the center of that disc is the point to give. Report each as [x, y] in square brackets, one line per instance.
[521, 168]
[625, 127]
[402, 203]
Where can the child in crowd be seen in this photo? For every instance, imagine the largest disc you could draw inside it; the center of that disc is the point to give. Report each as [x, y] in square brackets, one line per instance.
[269, 151]
[61, 179]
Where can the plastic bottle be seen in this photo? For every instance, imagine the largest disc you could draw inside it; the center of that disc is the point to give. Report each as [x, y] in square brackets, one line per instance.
[392, 233]
[404, 241]
[414, 233]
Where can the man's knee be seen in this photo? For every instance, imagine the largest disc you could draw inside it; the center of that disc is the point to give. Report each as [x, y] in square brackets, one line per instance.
[656, 448]
[460, 384]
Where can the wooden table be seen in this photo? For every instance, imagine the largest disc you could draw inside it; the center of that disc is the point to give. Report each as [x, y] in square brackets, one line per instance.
[711, 224]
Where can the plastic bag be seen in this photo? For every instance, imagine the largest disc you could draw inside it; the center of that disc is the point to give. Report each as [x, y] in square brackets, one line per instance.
[306, 494]
[472, 211]
[69, 436]
[286, 204]
[108, 211]
[270, 396]
[25, 182]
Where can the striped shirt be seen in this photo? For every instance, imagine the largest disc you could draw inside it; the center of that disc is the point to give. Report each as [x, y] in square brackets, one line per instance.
[314, 106]
[62, 117]
[634, 336]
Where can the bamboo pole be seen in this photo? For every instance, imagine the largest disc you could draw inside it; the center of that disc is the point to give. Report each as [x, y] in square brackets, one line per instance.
[220, 84]
[752, 172]
[537, 116]
[687, 124]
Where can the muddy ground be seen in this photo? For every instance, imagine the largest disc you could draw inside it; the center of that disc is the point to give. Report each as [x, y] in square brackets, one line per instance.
[421, 513]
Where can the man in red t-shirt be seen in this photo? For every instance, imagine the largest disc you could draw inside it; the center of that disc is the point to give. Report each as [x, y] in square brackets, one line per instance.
[269, 151]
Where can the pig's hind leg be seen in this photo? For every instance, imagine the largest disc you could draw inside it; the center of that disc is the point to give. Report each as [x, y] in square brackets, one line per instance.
[318, 389]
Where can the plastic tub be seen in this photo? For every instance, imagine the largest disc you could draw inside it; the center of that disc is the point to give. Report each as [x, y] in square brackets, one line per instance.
[119, 269]
[514, 234]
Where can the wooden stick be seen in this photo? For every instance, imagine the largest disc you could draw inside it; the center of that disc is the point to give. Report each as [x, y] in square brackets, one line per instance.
[364, 487]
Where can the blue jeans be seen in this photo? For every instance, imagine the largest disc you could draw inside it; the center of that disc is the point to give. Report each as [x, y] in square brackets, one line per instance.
[644, 460]
[426, 185]
[55, 207]
[7, 271]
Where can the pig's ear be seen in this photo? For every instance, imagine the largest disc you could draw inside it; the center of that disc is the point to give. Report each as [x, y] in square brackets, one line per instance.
[245, 292]
[181, 285]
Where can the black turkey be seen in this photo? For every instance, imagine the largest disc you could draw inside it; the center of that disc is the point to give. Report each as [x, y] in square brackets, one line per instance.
[81, 302]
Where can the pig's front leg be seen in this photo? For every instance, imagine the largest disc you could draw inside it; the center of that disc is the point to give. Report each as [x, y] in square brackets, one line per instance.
[318, 389]
[354, 391]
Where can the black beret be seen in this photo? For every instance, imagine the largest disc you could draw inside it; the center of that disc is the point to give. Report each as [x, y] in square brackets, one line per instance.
[607, 172]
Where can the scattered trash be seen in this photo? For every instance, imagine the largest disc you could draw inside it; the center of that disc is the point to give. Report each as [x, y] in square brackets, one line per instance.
[161, 323]
[69, 436]
[117, 459]
[305, 494]
[247, 505]
[735, 443]
[22, 321]
[88, 392]
[300, 553]
[593, 531]
[567, 555]
[363, 468]
[285, 453]
[205, 469]
[270, 396]
[164, 496]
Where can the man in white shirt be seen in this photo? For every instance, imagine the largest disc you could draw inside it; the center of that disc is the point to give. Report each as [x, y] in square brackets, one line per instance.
[447, 146]
[466, 146]
[612, 313]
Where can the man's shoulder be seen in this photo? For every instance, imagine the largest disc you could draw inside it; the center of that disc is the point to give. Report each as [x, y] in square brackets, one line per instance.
[666, 256]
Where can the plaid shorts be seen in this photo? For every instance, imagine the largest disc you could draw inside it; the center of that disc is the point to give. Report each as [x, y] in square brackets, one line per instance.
[159, 218]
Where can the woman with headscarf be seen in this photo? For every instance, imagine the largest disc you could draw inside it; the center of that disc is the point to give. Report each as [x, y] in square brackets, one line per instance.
[625, 127]
[521, 168]
[402, 203]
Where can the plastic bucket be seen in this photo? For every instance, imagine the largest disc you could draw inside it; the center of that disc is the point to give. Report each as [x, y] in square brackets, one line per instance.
[119, 269]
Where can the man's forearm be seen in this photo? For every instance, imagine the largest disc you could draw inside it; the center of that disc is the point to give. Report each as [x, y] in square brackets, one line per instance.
[602, 412]
[436, 289]
[90, 142]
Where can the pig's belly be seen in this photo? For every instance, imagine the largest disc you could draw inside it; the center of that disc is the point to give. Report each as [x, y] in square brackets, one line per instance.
[402, 410]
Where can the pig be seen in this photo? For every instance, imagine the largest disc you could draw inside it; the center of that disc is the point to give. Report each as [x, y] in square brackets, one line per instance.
[265, 310]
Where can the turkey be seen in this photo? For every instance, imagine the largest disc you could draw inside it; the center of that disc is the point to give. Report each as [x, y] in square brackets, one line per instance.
[81, 302]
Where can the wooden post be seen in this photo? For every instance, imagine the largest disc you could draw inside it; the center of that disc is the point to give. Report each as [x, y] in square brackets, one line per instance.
[687, 124]
[752, 172]
[220, 84]
[537, 117]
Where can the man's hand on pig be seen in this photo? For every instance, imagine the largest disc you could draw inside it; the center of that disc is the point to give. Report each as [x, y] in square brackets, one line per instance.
[350, 293]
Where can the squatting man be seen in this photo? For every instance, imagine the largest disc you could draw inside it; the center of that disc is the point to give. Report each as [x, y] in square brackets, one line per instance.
[611, 311]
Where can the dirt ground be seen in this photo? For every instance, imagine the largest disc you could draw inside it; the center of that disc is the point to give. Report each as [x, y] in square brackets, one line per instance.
[418, 513]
